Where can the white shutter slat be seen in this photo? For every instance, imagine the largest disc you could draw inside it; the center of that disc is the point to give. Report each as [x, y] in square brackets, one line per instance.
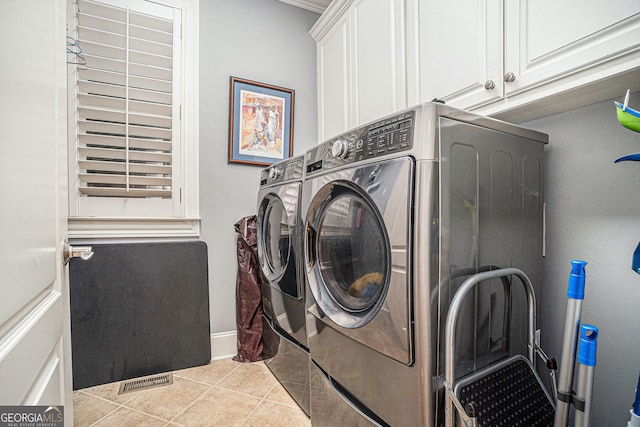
[97, 62]
[112, 179]
[122, 192]
[88, 126]
[151, 108]
[119, 141]
[134, 155]
[103, 10]
[151, 47]
[105, 51]
[106, 25]
[95, 165]
[102, 37]
[92, 116]
[119, 116]
[151, 22]
[150, 34]
[120, 66]
[150, 71]
[93, 101]
[149, 132]
[110, 102]
[95, 88]
[146, 58]
[156, 85]
[149, 120]
[150, 96]
[101, 127]
[125, 111]
[102, 76]
[102, 89]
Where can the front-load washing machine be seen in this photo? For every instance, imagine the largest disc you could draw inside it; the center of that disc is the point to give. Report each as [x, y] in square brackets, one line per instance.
[397, 214]
[279, 227]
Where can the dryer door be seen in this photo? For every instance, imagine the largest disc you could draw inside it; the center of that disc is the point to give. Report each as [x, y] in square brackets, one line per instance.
[278, 236]
[355, 220]
[351, 251]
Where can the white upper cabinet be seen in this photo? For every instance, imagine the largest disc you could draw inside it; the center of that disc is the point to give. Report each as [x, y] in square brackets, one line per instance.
[361, 63]
[513, 59]
[379, 58]
[496, 55]
[460, 53]
[334, 102]
[547, 39]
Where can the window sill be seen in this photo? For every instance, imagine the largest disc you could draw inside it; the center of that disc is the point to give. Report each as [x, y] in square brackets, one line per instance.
[132, 228]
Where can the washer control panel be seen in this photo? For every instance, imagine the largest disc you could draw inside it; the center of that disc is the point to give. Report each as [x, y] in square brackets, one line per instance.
[286, 170]
[380, 138]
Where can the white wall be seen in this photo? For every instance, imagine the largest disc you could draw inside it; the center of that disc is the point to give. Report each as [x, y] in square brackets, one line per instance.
[260, 40]
[593, 214]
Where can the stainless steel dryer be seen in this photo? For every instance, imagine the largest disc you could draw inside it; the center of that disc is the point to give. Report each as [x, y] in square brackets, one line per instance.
[279, 228]
[397, 214]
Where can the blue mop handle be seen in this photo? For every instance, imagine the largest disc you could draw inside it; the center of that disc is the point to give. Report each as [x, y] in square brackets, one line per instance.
[588, 345]
[576, 280]
[586, 366]
[636, 404]
[575, 296]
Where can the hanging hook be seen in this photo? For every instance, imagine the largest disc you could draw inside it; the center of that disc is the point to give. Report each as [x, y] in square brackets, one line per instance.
[74, 48]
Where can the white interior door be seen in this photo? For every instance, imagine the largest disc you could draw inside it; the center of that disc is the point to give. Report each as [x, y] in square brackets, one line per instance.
[35, 362]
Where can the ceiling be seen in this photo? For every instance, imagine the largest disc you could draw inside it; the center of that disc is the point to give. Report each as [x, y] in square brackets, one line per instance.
[317, 6]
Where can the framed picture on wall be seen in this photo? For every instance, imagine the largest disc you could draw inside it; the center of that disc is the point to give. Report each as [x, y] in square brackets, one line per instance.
[260, 122]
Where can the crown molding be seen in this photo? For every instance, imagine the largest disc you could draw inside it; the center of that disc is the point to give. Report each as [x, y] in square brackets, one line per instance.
[317, 6]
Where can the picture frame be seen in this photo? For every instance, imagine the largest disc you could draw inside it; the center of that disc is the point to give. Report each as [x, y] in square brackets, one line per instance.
[260, 122]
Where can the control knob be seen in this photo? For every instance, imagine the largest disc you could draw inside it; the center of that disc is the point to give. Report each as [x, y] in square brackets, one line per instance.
[340, 148]
[275, 173]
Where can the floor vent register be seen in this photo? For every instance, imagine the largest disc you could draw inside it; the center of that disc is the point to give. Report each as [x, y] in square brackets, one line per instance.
[145, 383]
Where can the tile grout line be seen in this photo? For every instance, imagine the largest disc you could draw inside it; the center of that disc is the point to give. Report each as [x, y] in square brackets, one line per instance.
[123, 405]
[169, 421]
[209, 388]
[207, 384]
[246, 420]
[118, 406]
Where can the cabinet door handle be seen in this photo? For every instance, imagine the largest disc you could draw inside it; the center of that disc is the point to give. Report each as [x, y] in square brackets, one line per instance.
[509, 77]
[489, 84]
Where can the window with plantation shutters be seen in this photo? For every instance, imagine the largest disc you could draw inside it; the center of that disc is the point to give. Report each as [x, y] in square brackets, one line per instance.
[124, 103]
[126, 156]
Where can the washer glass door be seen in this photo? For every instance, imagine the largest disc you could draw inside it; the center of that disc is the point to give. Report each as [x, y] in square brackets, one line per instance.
[275, 237]
[350, 254]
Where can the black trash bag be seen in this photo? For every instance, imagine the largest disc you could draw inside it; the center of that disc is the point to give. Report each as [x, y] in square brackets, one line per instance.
[248, 297]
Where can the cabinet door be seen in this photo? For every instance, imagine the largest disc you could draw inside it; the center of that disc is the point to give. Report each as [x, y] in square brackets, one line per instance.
[379, 58]
[547, 39]
[333, 53]
[460, 47]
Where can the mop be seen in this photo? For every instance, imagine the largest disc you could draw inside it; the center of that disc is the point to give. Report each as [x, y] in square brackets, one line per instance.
[575, 295]
[581, 399]
[586, 367]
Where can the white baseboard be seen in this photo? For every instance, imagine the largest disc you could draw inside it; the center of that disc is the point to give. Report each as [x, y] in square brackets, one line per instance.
[224, 345]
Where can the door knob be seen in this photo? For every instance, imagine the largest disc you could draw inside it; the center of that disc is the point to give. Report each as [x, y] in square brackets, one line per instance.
[489, 84]
[509, 77]
[68, 252]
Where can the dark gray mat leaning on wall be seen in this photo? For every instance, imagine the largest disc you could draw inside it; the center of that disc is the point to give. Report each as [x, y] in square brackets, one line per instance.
[138, 309]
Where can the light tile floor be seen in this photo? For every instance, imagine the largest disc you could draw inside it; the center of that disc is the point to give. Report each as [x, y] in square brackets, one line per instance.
[222, 393]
